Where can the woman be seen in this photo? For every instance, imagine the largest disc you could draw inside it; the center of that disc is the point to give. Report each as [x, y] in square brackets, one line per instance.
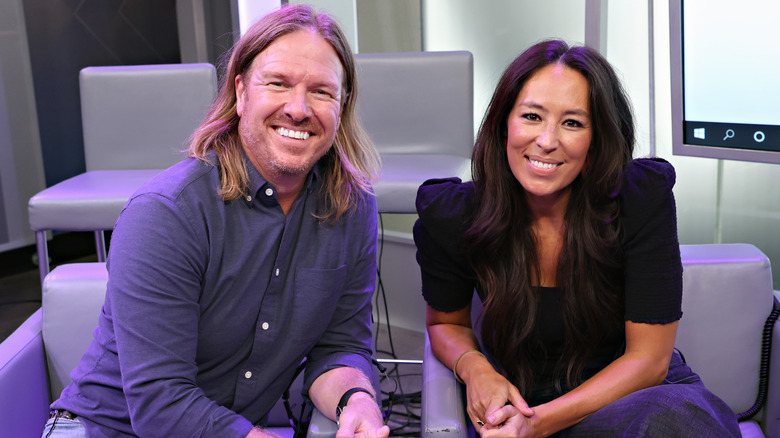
[572, 248]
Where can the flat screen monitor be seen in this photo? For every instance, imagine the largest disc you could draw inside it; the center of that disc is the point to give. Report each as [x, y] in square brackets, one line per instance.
[725, 66]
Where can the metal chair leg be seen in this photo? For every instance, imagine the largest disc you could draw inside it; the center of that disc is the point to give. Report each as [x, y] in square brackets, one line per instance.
[100, 245]
[43, 254]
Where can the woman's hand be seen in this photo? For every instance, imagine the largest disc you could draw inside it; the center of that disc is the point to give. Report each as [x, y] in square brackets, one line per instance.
[488, 392]
[512, 424]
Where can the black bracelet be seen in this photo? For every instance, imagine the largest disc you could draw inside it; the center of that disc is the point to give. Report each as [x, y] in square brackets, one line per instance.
[345, 399]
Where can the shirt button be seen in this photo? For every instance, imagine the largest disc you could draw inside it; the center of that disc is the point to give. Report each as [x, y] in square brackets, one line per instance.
[277, 272]
[265, 326]
[248, 374]
[269, 191]
[248, 198]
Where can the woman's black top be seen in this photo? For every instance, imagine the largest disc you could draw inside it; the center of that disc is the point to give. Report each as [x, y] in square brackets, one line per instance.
[653, 270]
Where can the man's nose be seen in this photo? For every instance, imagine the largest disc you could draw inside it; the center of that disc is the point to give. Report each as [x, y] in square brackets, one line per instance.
[297, 106]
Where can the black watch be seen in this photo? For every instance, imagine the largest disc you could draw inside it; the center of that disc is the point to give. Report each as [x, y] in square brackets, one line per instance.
[345, 399]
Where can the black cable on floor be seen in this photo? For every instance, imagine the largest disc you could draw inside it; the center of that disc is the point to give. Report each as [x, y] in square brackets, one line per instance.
[405, 422]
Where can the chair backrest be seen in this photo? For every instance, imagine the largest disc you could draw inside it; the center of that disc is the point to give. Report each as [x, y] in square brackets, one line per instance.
[727, 297]
[140, 117]
[73, 296]
[417, 102]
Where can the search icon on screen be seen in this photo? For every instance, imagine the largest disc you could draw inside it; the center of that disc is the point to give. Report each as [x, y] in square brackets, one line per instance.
[729, 134]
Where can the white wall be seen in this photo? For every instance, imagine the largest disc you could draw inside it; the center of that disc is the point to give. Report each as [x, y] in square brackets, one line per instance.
[343, 11]
[495, 32]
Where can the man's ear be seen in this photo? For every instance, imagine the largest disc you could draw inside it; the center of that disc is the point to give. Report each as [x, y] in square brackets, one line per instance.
[240, 95]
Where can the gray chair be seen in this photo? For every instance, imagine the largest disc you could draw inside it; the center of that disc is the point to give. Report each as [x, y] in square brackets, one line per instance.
[727, 300]
[417, 107]
[36, 360]
[136, 122]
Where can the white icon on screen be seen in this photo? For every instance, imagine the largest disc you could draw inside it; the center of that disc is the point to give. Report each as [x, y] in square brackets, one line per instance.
[759, 136]
[729, 134]
[699, 133]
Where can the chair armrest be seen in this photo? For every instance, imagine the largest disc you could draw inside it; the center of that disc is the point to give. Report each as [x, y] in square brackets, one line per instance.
[443, 413]
[321, 426]
[772, 407]
[24, 398]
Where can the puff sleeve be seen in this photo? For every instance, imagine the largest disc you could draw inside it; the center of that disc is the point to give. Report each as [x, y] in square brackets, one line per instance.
[653, 268]
[444, 207]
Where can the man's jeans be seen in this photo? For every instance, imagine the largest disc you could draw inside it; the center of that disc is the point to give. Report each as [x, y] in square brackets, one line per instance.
[64, 428]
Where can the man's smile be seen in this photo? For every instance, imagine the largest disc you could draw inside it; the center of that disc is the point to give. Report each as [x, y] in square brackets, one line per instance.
[284, 132]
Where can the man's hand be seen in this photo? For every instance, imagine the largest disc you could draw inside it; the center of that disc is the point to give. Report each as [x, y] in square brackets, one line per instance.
[361, 418]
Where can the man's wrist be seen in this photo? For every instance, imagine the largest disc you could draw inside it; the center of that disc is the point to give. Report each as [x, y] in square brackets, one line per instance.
[347, 396]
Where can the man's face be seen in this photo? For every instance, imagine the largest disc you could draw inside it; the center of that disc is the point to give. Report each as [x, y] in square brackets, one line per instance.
[289, 104]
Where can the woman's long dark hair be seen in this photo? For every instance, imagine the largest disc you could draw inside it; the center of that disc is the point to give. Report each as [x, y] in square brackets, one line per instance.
[501, 241]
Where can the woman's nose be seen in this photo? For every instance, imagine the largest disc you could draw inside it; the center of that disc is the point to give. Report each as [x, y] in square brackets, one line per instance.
[548, 138]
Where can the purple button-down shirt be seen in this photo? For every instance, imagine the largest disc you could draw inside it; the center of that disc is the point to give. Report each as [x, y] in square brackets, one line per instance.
[211, 305]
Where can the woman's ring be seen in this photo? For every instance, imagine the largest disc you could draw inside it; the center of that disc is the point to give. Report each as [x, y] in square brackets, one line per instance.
[480, 423]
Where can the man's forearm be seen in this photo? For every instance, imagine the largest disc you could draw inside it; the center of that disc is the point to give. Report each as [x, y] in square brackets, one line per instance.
[361, 415]
[327, 389]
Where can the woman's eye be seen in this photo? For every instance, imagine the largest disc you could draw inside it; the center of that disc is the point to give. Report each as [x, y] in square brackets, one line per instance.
[573, 123]
[532, 116]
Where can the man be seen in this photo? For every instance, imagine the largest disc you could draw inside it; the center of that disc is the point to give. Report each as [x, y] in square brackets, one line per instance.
[257, 252]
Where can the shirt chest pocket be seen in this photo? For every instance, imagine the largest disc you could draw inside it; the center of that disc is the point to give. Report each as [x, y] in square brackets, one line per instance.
[317, 293]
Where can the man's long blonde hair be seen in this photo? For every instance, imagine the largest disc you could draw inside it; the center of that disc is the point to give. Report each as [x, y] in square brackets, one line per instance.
[348, 167]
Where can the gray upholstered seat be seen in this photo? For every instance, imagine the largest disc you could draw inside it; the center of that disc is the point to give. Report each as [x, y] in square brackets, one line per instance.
[136, 122]
[727, 298]
[417, 107]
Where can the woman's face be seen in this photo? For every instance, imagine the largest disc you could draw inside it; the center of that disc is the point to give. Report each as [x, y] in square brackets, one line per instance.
[549, 132]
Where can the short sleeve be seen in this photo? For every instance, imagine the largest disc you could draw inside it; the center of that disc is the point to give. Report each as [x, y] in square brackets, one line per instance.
[653, 268]
[444, 207]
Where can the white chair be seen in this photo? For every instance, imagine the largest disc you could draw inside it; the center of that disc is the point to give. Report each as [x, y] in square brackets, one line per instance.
[417, 107]
[136, 122]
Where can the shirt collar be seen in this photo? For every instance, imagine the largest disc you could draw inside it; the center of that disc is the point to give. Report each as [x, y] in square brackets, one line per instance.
[257, 182]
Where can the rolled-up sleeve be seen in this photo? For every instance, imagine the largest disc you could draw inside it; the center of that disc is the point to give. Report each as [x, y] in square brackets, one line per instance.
[347, 340]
